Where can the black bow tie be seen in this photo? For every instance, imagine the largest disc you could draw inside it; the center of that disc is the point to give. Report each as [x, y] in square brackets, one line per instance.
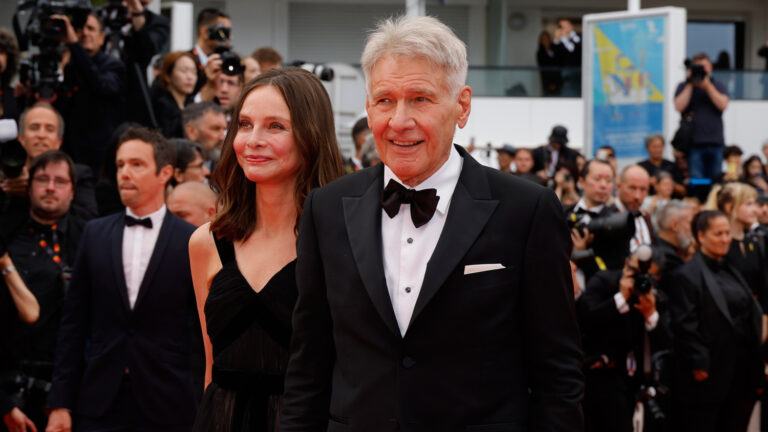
[423, 203]
[583, 211]
[131, 221]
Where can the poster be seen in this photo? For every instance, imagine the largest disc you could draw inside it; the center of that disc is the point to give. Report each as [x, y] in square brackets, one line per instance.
[628, 77]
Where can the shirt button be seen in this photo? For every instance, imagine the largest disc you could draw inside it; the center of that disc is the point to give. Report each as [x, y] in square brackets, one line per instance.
[410, 240]
[408, 289]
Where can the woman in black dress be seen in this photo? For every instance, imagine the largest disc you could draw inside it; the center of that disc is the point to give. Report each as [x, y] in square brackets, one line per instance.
[281, 143]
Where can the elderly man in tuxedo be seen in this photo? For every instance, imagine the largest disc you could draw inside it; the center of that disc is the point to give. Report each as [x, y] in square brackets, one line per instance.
[434, 293]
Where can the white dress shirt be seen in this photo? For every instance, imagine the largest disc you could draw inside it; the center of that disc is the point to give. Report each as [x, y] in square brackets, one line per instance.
[138, 245]
[642, 231]
[407, 249]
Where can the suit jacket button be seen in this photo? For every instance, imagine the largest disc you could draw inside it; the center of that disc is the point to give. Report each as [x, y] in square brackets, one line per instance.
[408, 362]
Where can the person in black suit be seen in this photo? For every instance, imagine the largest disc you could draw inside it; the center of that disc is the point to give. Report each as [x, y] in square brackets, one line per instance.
[674, 240]
[547, 159]
[632, 188]
[422, 281]
[593, 253]
[92, 104]
[623, 331]
[718, 329]
[129, 352]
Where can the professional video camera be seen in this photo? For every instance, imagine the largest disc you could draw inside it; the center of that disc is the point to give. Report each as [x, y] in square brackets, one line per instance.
[34, 25]
[321, 71]
[12, 154]
[698, 73]
[230, 62]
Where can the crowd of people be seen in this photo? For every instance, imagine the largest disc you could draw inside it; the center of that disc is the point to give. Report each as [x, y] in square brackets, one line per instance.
[180, 265]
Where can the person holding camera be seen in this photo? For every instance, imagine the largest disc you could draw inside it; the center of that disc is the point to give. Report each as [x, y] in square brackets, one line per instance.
[704, 99]
[717, 327]
[214, 29]
[632, 187]
[626, 329]
[43, 248]
[92, 101]
[567, 50]
[591, 252]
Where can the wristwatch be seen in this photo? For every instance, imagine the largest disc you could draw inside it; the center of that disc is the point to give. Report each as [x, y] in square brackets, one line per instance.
[8, 270]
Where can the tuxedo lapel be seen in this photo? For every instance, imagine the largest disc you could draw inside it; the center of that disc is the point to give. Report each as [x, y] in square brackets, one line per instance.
[714, 289]
[471, 207]
[362, 216]
[163, 238]
[118, 269]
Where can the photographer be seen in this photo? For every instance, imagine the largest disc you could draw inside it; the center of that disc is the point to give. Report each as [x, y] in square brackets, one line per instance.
[625, 325]
[147, 36]
[593, 253]
[212, 24]
[42, 247]
[632, 189]
[92, 105]
[41, 129]
[704, 99]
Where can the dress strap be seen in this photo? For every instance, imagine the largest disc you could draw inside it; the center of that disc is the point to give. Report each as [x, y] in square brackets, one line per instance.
[226, 250]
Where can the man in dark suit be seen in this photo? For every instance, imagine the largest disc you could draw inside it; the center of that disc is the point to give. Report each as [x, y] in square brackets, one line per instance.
[129, 346]
[593, 252]
[632, 189]
[624, 332]
[434, 293]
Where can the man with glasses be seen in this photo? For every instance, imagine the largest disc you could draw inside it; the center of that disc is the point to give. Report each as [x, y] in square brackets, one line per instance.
[42, 247]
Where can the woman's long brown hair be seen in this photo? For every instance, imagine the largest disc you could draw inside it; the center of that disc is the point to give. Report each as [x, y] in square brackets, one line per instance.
[315, 138]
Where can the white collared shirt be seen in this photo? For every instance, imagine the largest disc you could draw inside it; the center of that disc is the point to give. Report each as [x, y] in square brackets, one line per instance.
[201, 55]
[407, 249]
[138, 245]
[582, 204]
[642, 231]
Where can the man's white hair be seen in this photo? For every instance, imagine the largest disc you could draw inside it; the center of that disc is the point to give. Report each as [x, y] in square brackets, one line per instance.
[424, 37]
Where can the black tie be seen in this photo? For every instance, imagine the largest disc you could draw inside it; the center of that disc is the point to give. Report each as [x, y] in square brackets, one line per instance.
[423, 202]
[131, 221]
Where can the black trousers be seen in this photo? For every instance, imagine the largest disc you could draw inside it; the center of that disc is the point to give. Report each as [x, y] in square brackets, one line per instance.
[608, 404]
[124, 415]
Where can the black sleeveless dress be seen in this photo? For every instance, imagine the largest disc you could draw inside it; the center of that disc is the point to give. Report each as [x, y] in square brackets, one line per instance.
[250, 333]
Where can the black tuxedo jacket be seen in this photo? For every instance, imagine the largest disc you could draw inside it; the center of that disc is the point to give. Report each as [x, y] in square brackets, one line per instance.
[491, 351]
[609, 250]
[157, 342]
[704, 335]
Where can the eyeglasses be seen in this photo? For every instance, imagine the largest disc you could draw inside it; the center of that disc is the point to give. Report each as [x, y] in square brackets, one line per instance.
[58, 182]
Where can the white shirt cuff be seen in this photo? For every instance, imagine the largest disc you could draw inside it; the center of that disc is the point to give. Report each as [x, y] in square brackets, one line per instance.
[652, 321]
[621, 303]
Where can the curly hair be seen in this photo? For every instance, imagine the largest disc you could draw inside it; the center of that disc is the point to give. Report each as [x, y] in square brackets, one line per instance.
[10, 48]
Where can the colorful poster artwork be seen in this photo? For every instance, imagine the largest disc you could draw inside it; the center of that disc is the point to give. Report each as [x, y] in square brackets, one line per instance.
[628, 83]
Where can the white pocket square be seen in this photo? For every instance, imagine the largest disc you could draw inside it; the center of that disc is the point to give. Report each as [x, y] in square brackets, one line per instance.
[478, 268]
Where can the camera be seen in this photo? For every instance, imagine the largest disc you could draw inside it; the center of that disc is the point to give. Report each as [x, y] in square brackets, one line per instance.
[617, 225]
[230, 62]
[12, 154]
[34, 25]
[321, 71]
[698, 73]
[644, 282]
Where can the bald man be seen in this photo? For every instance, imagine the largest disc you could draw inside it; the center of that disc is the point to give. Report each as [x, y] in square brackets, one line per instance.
[194, 202]
[633, 186]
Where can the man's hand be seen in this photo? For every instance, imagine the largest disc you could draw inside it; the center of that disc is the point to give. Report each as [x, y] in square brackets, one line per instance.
[17, 421]
[71, 37]
[16, 186]
[581, 242]
[627, 284]
[59, 420]
[136, 11]
[646, 304]
[700, 375]
[213, 68]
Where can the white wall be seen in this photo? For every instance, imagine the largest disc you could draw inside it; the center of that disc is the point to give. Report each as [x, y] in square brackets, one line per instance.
[526, 122]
